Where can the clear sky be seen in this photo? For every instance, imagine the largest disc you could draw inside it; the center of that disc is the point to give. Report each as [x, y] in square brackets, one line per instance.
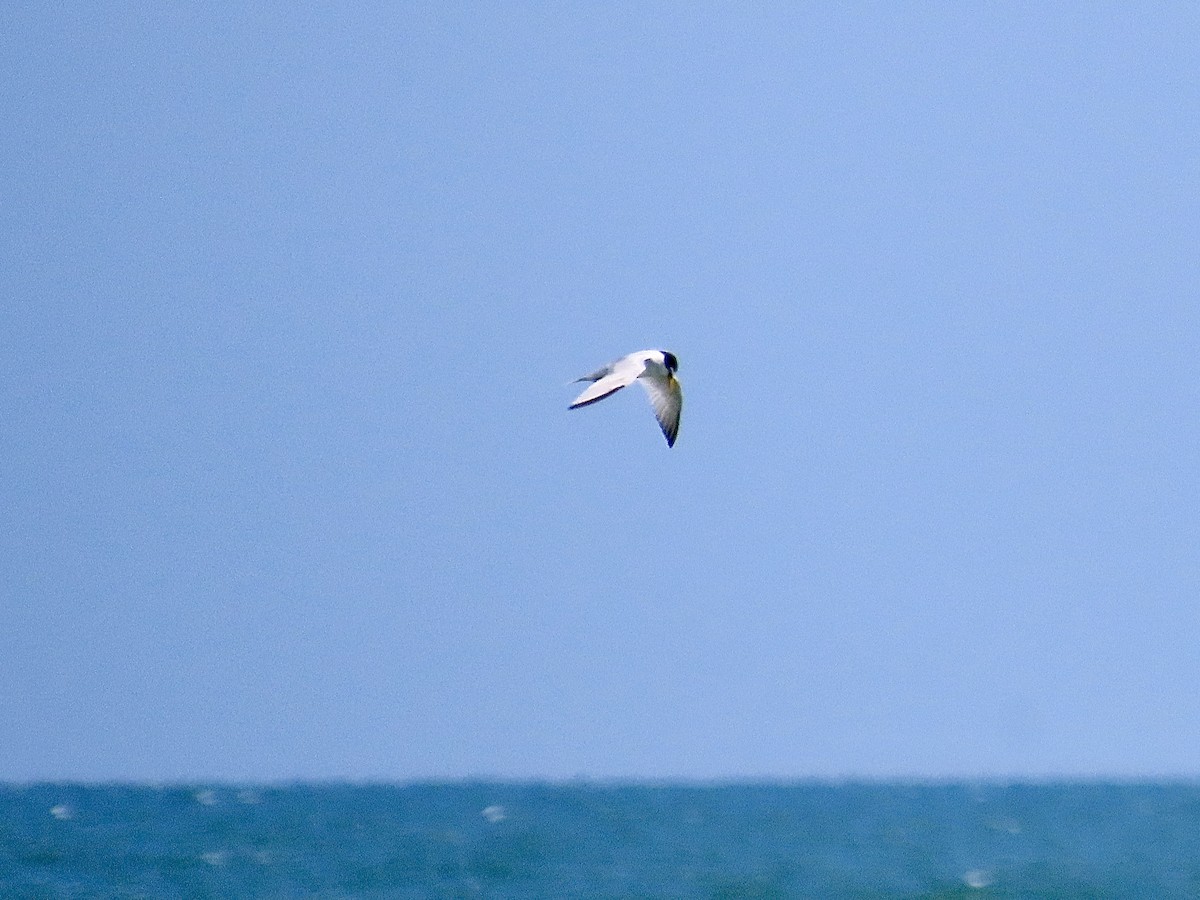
[290, 301]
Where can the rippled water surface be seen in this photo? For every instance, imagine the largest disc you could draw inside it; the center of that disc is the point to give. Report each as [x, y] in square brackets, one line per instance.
[584, 840]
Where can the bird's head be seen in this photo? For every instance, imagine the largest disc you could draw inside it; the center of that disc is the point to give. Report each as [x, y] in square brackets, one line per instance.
[670, 361]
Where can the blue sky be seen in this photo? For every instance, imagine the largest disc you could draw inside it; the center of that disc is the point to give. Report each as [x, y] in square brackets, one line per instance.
[291, 301]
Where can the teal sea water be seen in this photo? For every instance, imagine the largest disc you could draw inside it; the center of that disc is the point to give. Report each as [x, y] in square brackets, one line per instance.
[868, 840]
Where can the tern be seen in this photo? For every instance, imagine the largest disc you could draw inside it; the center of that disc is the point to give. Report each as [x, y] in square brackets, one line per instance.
[652, 369]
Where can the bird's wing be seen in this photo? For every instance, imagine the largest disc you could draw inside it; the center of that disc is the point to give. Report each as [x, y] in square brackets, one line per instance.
[620, 374]
[667, 399]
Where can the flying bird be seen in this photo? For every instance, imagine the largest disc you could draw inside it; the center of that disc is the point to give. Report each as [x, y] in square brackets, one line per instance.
[652, 369]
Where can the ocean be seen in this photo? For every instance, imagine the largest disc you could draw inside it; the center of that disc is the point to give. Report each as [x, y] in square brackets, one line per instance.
[596, 840]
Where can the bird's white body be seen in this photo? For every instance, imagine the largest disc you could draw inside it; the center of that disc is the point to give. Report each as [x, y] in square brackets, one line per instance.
[652, 369]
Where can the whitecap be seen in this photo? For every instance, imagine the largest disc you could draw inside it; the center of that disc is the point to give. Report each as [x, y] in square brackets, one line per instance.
[978, 879]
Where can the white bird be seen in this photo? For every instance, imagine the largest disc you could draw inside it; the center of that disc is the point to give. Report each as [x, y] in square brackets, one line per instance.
[652, 369]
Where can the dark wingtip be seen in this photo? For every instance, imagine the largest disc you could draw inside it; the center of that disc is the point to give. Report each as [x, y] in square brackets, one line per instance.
[594, 399]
